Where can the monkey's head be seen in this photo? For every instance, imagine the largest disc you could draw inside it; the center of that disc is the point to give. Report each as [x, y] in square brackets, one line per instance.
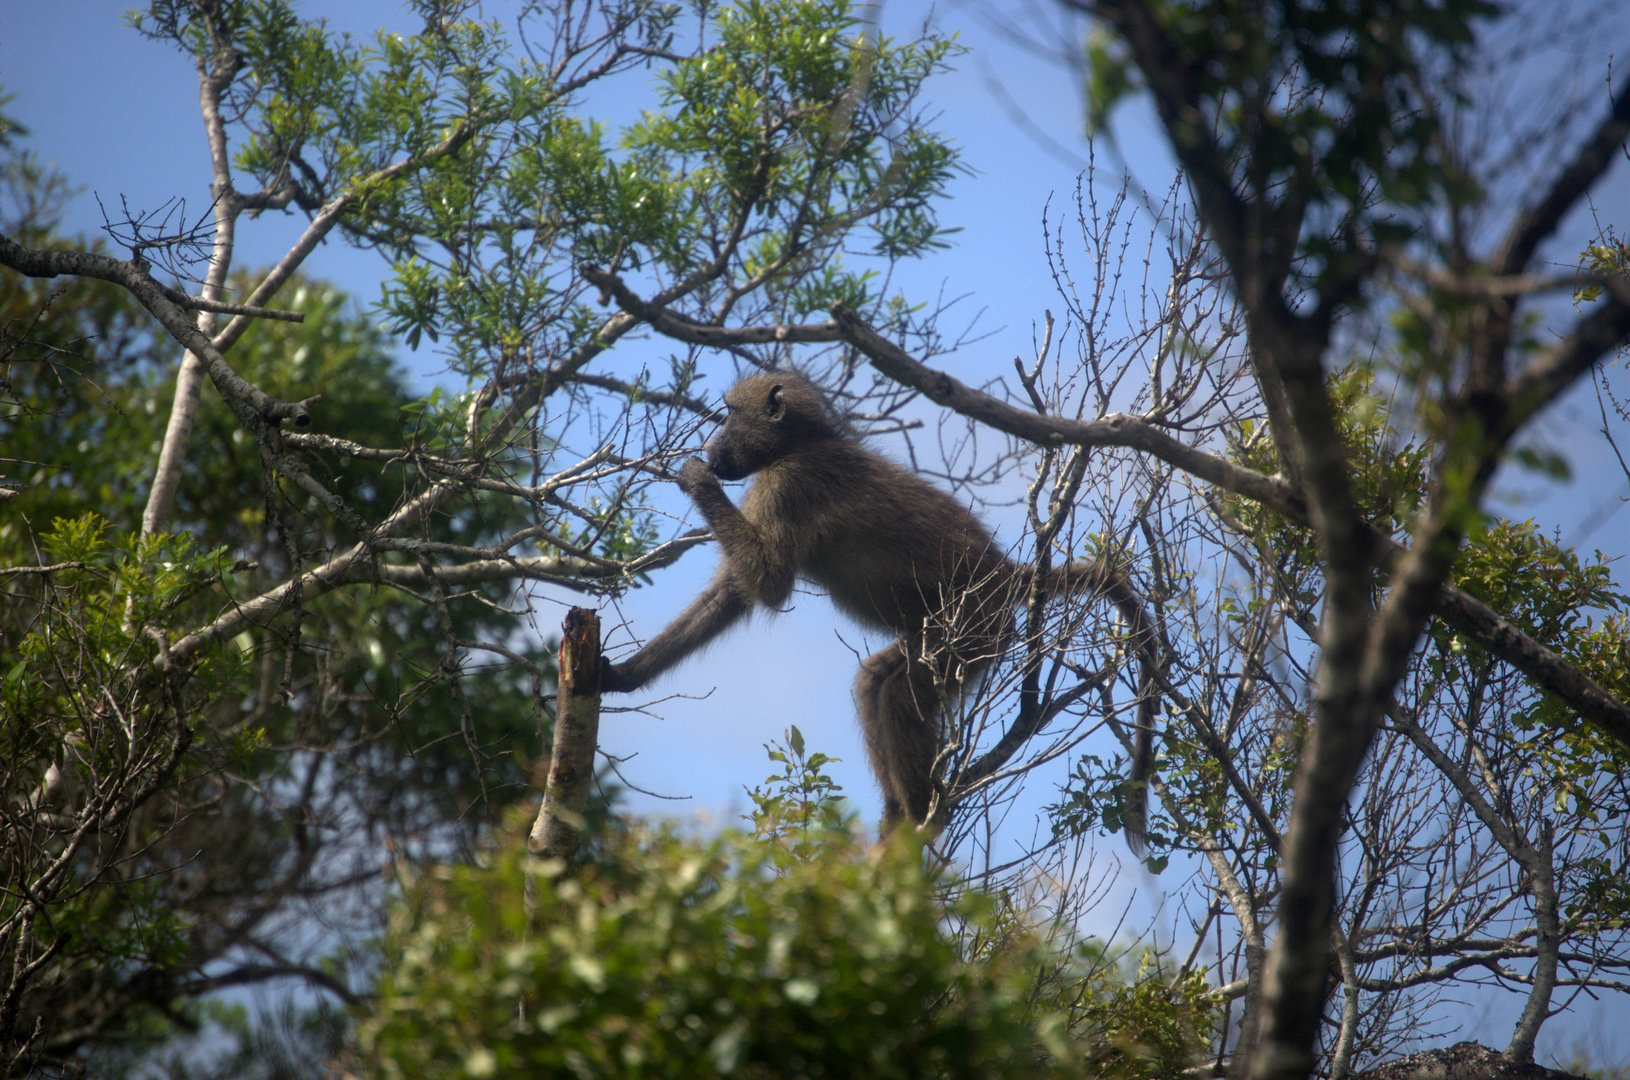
[771, 415]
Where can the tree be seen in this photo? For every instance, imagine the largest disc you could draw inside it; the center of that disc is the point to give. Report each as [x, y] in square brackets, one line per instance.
[1333, 188]
[166, 840]
[266, 681]
[1321, 153]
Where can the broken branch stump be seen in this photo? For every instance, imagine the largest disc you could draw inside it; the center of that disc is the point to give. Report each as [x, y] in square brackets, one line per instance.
[559, 824]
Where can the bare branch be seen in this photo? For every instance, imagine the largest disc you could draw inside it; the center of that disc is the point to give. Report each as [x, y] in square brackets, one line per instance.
[1541, 219]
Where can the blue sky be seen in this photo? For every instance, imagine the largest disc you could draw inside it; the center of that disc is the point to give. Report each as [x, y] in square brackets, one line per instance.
[118, 114]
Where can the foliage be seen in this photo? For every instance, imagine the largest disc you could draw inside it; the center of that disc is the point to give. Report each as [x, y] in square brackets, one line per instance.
[1486, 815]
[800, 805]
[1608, 259]
[216, 784]
[786, 133]
[699, 958]
[1147, 1022]
[795, 951]
[106, 763]
[66, 441]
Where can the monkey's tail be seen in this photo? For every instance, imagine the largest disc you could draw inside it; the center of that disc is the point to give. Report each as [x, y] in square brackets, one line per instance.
[1100, 578]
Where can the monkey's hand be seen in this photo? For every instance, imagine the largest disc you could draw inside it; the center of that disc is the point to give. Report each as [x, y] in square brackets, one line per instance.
[695, 475]
[614, 678]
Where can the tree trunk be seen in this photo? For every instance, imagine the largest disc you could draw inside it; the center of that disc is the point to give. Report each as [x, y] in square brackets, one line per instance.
[577, 726]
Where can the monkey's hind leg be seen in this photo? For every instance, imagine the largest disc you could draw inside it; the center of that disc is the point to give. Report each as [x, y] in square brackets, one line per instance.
[899, 706]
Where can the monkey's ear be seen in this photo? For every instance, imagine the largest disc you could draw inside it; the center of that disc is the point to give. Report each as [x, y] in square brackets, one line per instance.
[776, 408]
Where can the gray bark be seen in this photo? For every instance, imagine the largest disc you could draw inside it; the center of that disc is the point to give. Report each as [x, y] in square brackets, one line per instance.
[559, 823]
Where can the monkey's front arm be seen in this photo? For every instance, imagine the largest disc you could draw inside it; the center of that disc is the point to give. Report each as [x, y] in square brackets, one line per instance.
[762, 568]
[708, 616]
[738, 583]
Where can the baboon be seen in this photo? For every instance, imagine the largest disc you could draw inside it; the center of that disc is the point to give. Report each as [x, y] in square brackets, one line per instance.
[892, 550]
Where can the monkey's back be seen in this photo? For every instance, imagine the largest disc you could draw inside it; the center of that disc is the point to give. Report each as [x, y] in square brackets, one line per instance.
[891, 549]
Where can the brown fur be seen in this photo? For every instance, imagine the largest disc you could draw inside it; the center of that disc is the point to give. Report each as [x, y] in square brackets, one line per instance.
[893, 551]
